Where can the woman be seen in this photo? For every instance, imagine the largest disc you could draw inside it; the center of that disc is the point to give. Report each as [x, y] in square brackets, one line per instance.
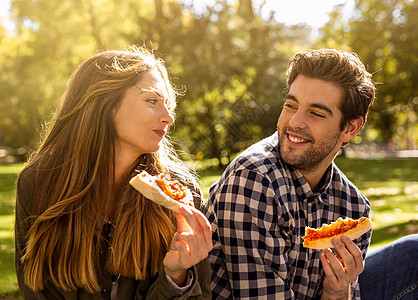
[81, 231]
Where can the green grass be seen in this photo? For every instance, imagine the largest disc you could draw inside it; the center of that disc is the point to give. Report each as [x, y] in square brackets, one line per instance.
[392, 188]
[8, 284]
[390, 184]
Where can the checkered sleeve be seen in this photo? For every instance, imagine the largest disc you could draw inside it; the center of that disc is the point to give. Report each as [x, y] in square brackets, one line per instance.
[363, 243]
[249, 256]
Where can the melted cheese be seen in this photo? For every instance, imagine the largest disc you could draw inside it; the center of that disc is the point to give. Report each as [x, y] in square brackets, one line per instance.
[335, 228]
[171, 188]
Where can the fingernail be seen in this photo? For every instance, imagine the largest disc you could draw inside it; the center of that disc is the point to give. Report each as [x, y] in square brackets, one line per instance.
[186, 209]
[336, 241]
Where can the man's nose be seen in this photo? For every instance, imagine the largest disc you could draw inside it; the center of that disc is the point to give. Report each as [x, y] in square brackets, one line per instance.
[298, 120]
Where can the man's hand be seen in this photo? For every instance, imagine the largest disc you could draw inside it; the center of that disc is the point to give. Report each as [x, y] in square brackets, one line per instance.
[341, 269]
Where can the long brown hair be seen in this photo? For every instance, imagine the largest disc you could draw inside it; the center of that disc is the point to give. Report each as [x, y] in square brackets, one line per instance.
[74, 183]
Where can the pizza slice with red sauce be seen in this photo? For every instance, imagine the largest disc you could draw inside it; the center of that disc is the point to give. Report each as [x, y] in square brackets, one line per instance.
[163, 190]
[321, 238]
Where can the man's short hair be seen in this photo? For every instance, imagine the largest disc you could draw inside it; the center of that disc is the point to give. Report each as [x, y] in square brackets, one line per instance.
[342, 68]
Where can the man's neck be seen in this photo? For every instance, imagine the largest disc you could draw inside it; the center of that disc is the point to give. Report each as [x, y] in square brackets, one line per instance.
[314, 176]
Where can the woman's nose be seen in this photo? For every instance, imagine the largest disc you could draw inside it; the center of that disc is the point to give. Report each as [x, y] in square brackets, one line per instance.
[167, 116]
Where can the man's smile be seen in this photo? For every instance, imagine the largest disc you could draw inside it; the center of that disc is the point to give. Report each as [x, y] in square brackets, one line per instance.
[296, 139]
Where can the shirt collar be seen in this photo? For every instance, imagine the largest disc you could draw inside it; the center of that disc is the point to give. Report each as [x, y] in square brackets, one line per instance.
[323, 192]
[302, 187]
[304, 190]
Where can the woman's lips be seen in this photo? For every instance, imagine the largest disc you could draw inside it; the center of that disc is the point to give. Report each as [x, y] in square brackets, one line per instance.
[161, 133]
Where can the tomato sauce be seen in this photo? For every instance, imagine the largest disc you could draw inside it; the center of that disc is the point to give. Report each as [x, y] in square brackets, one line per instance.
[171, 188]
[330, 230]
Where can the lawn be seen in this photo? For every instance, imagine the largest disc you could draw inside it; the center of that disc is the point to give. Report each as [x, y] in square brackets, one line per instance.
[390, 184]
[8, 285]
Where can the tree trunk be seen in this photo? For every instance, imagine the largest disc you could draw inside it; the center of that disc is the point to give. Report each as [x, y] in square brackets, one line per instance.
[246, 10]
[158, 8]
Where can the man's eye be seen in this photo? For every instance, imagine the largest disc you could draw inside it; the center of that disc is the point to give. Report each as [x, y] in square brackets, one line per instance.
[318, 115]
[289, 106]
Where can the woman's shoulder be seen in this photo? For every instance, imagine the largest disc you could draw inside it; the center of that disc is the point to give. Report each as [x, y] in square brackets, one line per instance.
[26, 178]
[25, 187]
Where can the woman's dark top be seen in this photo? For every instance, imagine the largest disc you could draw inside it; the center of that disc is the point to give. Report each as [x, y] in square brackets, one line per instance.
[128, 288]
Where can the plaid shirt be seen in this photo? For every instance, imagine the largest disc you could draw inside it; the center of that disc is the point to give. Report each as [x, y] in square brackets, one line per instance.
[258, 210]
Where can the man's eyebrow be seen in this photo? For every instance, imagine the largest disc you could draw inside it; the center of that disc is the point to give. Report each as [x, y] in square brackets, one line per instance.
[290, 96]
[315, 105]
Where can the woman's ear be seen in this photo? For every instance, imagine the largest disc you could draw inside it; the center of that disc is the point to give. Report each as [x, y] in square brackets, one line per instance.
[351, 129]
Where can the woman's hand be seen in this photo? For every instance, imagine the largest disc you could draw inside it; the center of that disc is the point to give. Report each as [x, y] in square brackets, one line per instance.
[341, 269]
[191, 244]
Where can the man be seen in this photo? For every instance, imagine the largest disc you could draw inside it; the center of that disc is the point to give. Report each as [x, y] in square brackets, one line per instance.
[260, 206]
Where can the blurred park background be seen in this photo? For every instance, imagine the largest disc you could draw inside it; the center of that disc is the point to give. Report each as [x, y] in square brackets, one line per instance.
[228, 59]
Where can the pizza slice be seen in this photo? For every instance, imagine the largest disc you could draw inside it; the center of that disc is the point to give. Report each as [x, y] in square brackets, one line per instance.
[163, 190]
[321, 238]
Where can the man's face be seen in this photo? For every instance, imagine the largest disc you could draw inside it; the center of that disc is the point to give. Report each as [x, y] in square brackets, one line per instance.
[308, 127]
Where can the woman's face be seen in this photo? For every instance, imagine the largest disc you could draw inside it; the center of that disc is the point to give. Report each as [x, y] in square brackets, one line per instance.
[142, 117]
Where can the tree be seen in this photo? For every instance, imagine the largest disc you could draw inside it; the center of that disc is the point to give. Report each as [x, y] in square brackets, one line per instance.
[228, 62]
[385, 35]
[50, 39]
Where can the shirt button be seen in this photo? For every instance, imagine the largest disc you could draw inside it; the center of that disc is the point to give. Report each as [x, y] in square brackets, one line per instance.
[104, 290]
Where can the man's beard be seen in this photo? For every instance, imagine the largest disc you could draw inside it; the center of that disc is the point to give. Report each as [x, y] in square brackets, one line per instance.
[313, 156]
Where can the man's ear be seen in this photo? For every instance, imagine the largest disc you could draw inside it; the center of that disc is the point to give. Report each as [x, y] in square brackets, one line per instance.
[351, 129]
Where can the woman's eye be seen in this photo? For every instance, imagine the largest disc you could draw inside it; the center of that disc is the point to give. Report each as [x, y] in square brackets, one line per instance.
[152, 101]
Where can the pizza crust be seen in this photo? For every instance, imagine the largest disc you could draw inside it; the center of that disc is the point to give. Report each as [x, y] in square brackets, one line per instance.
[363, 225]
[146, 185]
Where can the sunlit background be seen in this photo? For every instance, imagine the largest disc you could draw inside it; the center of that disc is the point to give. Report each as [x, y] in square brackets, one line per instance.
[229, 59]
[313, 13]
[227, 54]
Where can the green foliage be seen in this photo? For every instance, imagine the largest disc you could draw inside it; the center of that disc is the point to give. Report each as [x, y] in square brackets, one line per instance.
[227, 61]
[231, 66]
[385, 35]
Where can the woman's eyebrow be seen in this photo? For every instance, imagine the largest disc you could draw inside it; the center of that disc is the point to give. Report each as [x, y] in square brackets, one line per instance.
[156, 92]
